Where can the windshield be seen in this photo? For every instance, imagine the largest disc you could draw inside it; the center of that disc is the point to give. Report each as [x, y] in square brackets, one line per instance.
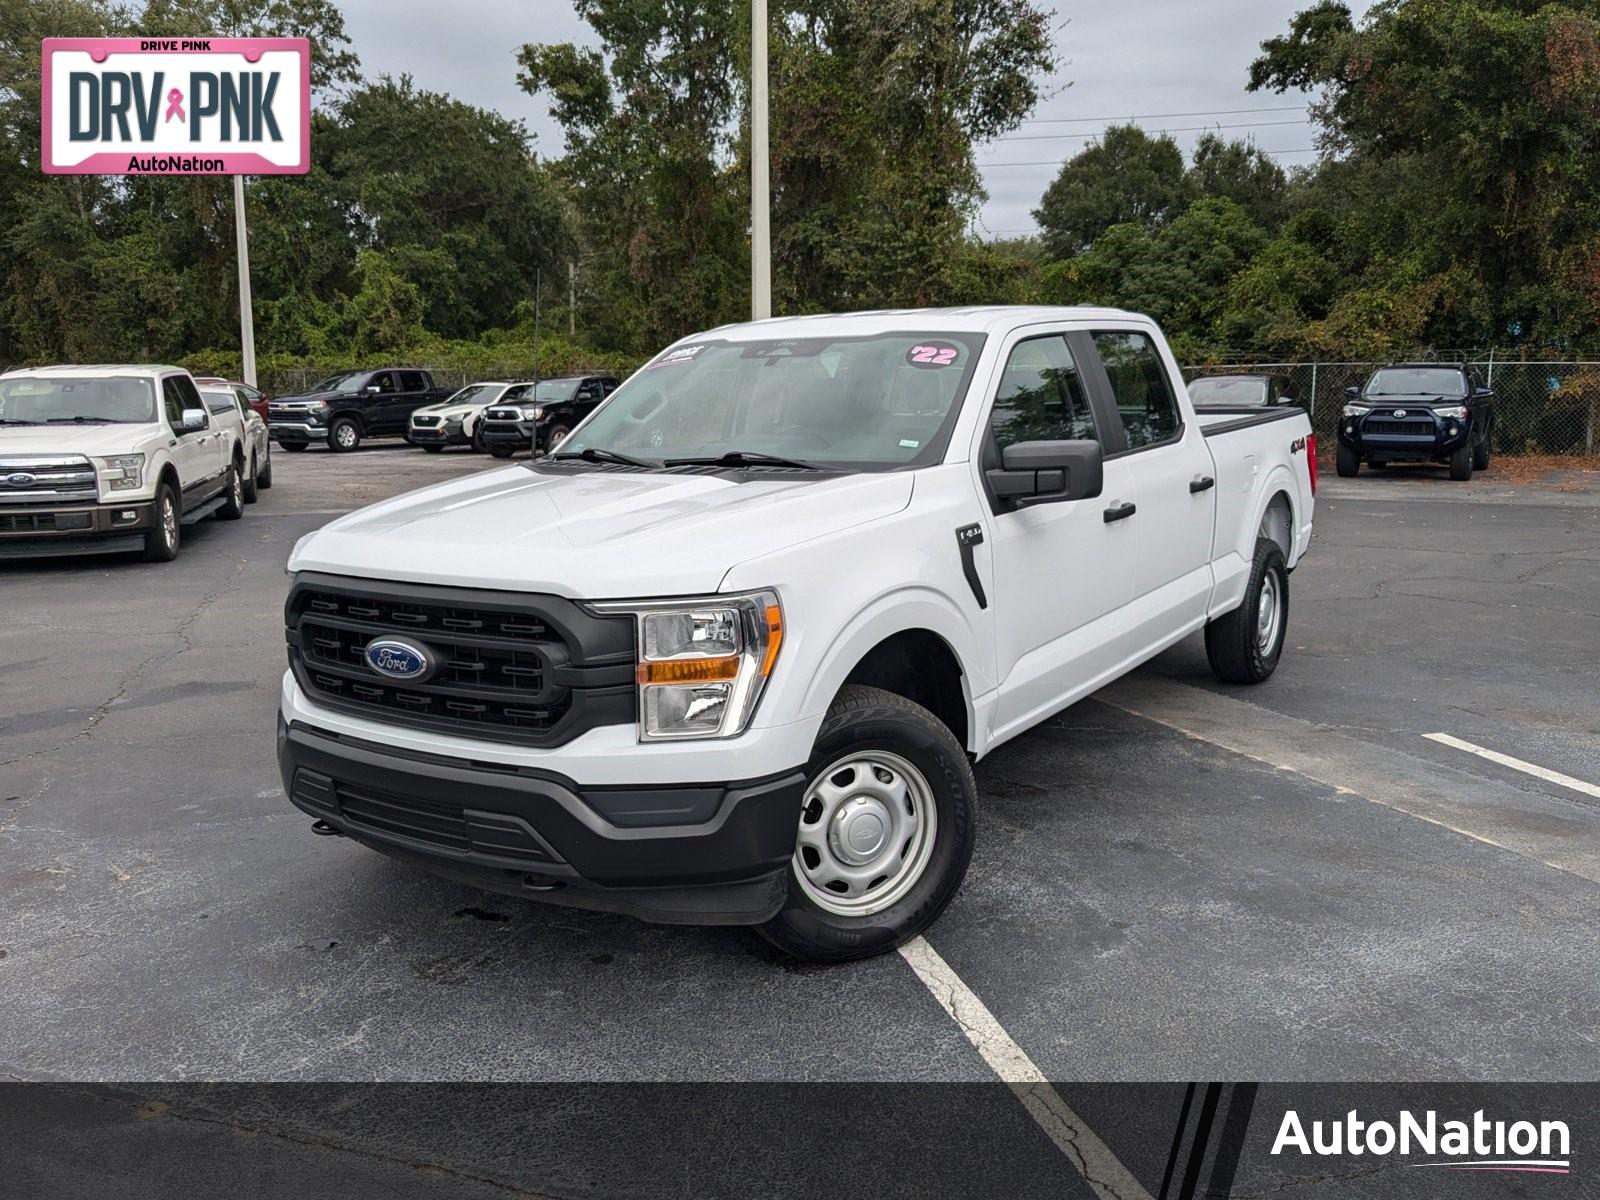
[1228, 391]
[474, 393]
[336, 383]
[1416, 381]
[860, 403]
[555, 391]
[120, 400]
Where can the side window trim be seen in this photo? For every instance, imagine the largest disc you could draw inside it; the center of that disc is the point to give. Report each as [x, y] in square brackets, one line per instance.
[1102, 399]
[988, 455]
[1104, 377]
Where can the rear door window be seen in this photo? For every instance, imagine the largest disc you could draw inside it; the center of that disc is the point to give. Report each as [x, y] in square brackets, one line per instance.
[1139, 388]
[413, 381]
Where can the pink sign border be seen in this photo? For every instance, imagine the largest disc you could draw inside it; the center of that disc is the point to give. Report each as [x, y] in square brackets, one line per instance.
[233, 163]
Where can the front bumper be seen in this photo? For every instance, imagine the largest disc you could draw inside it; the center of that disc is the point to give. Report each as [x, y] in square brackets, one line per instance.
[504, 433]
[436, 435]
[1408, 439]
[34, 531]
[299, 432]
[702, 854]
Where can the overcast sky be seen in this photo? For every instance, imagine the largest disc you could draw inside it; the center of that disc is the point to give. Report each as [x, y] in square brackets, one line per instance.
[1137, 58]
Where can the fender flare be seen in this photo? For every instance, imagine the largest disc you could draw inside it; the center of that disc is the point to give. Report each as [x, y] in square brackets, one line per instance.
[900, 611]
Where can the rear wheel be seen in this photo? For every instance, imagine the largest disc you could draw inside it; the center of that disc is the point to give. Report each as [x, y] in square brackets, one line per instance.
[885, 834]
[1243, 646]
[250, 484]
[345, 435]
[1461, 463]
[264, 480]
[1347, 462]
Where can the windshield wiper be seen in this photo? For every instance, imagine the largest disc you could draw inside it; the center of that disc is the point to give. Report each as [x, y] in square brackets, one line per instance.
[82, 420]
[13, 421]
[744, 458]
[596, 454]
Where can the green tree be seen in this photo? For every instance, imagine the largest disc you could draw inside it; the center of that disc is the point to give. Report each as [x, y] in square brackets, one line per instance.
[1240, 172]
[1126, 178]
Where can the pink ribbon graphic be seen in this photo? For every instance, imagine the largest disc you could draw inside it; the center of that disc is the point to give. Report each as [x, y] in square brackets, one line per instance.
[175, 105]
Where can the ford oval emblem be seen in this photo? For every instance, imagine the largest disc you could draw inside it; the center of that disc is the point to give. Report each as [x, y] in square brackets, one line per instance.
[21, 479]
[398, 659]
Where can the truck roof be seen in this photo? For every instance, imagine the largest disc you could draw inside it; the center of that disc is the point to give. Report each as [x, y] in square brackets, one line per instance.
[95, 370]
[974, 319]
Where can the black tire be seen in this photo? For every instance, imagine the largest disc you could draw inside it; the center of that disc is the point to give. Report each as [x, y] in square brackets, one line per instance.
[1233, 640]
[554, 438]
[1461, 463]
[250, 482]
[294, 447]
[502, 451]
[477, 438]
[861, 720]
[264, 479]
[1347, 462]
[433, 449]
[344, 435]
[233, 491]
[1480, 453]
[162, 542]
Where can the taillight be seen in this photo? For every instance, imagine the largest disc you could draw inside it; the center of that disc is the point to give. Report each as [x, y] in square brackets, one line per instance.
[1311, 460]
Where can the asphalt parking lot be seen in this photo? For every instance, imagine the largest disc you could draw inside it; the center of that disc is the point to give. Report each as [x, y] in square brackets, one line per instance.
[1173, 880]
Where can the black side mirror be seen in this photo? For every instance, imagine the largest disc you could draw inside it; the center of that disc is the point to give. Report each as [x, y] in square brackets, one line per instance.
[1047, 473]
[1483, 393]
[1353, 392]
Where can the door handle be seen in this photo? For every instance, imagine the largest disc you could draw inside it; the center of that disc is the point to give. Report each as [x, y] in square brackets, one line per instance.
[1201, 483]
[1120, 512]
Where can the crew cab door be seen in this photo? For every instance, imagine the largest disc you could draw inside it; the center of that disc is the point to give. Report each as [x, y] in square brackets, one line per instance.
[1164, 451]
[380, 403]
[1062, 571]
[198, 456]
[416, 389]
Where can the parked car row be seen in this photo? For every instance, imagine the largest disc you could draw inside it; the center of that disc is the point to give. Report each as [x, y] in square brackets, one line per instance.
[497, 416]
[113, 458]
[1405, 412]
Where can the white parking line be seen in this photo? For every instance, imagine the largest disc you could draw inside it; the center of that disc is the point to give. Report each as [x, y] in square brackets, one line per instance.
[1089, 1156]
[1517, 764]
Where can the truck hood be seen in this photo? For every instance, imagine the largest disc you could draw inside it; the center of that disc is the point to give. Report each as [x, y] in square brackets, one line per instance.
[594, 535]
[72, 439]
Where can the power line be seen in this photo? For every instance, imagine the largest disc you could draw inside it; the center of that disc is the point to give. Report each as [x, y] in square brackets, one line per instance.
[1047, 137]
[1056, 162]
[1209, 112]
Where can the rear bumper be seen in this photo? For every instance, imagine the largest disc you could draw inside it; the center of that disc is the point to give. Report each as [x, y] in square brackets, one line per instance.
[678, 854]
[34, 531]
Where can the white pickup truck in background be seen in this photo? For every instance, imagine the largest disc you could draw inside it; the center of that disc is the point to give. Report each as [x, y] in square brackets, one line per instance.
[727, 655]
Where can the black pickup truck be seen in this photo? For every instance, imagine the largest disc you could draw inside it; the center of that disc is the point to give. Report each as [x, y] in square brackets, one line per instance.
[539, 422]
[1417, 412]
[344, 410]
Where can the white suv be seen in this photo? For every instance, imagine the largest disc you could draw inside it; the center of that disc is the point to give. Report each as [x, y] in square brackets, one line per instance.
[107, 458]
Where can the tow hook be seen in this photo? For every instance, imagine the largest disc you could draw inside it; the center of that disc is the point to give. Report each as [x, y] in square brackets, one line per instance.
[323, 829]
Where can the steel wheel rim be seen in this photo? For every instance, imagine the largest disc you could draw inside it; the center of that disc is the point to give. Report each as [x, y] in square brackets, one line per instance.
[867, 830]
[1268, 613]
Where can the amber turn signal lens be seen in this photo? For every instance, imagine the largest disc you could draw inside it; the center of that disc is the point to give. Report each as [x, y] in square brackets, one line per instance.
[774, 638]
[690, 670]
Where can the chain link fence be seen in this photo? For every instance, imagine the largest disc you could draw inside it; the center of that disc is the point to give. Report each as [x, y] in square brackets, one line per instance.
[1539, 407]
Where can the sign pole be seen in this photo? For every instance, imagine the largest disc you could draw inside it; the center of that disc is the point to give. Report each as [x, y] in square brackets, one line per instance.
[760, 170]
[247, 324]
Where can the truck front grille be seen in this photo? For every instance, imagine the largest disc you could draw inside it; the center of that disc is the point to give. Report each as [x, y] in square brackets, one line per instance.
[40, 479]
[425, 422]
[532, 669]
[1388, 428]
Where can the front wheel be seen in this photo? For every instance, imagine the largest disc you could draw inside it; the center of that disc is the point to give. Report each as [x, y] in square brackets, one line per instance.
[345, 435]
[477, 438]
[502, 451]
[1243, 646]
[886, 830]
[1347, 462]
[1461, 463]
[233, 496]
[161, 543]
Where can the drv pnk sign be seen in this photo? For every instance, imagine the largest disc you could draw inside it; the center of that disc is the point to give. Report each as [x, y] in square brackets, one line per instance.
[177, 106]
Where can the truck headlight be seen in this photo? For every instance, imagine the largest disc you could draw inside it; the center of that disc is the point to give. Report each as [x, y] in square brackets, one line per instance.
[703, 663]
[1458, 413]
[1357, 410]
[533, 414]
[123, 472]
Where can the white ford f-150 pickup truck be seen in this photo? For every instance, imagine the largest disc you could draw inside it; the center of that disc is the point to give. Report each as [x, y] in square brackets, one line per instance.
[110, 458]
[727, 656]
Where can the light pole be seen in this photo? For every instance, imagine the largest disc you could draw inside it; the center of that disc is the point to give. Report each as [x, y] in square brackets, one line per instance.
[247, 324]
[760, 179]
